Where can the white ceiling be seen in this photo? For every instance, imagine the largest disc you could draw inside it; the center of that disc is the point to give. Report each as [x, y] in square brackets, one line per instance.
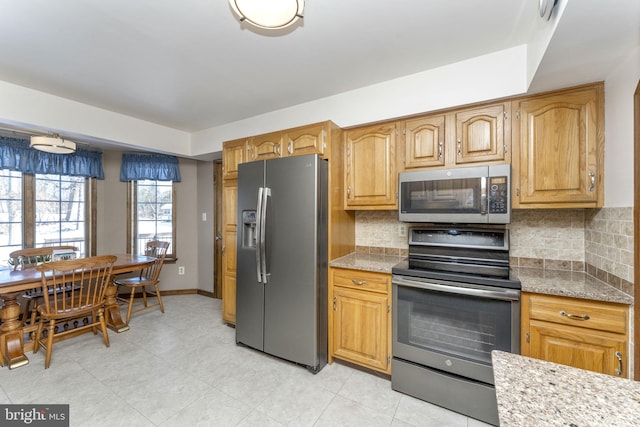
[190, 65]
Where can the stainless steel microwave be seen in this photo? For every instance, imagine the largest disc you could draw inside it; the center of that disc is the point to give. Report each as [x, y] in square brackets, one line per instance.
[472, 195]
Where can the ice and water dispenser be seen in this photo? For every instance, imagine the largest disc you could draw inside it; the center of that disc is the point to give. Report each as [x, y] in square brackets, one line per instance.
[249, 229]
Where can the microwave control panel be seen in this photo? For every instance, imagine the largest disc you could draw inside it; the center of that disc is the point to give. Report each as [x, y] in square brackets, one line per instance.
[498, 195]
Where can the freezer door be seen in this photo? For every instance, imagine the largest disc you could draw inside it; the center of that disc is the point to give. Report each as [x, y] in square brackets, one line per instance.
[249, 291]
[295, 293]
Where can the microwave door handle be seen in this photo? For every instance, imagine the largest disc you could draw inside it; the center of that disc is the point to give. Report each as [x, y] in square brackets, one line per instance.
[483, 196]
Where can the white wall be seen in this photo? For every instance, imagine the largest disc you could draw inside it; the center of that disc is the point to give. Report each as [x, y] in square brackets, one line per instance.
[619, 88]
[39, 110]
[112, 221]
[496, 75]
[206, 227]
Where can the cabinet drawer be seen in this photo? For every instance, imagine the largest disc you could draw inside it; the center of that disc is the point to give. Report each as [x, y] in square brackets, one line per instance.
[575, 312]
[363, 280]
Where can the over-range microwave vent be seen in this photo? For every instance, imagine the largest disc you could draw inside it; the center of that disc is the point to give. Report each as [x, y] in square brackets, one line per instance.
[474, 195]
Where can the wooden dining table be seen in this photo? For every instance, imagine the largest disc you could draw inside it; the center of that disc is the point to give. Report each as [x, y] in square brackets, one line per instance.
[15, 283]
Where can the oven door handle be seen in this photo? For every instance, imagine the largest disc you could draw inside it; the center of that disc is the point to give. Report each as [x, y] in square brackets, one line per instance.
[498, 293]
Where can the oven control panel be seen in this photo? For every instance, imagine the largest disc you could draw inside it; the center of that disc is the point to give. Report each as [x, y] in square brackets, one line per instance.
[498, 195]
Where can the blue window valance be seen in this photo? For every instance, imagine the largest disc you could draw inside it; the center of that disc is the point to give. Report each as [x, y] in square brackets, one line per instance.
[15, 154]
[156, 167]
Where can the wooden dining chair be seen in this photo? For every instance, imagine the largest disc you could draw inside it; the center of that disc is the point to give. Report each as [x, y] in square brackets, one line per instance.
[150, 276]
[30, 258]
[72, 290]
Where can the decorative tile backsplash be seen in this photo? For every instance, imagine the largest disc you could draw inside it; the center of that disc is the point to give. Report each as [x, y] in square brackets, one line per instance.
[609, 245]
[599, 241]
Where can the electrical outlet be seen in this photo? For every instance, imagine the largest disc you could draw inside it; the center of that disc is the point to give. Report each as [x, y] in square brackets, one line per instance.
[402, 230]
[181, 270]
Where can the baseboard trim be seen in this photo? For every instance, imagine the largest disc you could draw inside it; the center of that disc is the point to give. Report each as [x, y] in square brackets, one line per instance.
[138, 294]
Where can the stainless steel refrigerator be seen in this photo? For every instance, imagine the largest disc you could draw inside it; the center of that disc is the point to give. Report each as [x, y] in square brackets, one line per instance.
[281, 287]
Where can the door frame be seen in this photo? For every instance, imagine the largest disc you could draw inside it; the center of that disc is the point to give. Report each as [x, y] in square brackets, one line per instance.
[636, 233]
[217, 229]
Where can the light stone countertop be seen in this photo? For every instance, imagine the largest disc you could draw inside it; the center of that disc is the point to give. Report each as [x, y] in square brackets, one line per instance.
[568, 284]
[536, 393]
[367, 262]
[533, 280]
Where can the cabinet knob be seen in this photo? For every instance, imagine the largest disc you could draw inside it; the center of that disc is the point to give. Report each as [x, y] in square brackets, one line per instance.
[459, 148]
[359, 282]
[592, 176]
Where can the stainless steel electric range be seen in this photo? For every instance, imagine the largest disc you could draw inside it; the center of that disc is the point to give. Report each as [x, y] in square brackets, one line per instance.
[453, 303]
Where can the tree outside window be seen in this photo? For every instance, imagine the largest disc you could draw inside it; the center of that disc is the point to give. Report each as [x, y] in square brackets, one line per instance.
[152, 214]
[60, 211]
[10, 212]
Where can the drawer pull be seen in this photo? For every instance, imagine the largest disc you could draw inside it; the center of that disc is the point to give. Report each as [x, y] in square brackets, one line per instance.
[619, 357]
[358, 282]
[575, 316]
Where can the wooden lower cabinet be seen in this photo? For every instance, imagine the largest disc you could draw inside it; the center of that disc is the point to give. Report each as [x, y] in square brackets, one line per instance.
[360, 318]
[590, 335]
[229, 279]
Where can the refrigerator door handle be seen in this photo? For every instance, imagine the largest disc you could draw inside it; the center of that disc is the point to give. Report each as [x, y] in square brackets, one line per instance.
[263, 232]
[258, 234]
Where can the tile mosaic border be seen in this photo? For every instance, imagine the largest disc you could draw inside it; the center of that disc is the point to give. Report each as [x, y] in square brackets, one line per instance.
[377, 250]
[578, 266]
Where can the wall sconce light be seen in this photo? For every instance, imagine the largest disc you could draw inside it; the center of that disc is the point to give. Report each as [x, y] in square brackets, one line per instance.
[270, 15]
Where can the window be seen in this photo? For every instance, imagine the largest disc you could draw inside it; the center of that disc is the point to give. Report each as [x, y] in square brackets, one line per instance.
[46, 198]
[60, 211]
[10, 212]
[152, 214]
[45, 210]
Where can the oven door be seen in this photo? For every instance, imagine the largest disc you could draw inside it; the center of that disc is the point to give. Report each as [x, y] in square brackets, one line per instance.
[453, 327]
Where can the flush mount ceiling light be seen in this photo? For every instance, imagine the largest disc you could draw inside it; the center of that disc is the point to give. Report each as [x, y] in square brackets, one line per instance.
[271, 14]
[545, 7]
[53, 144]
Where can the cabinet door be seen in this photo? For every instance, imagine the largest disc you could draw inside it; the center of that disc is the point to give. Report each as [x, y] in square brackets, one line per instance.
[306, 140]
[360, 328]
[233, 153]
[229, 278]
[424, 142]
[558, 150]
[482, 133]
[229, 219]
[267, 146]
[229, 204]
[371, 179]
[578, 347]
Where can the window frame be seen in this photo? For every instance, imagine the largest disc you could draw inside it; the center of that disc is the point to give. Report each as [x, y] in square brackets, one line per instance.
[29, 213]
[132, 221]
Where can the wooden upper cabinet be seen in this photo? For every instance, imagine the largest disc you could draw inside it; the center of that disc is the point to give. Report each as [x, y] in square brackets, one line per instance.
[482, 133]
[267, 146]
[305, 140]
[461, 137]
[559, 149]
[371, 178]
[424, 141]
[233, 153]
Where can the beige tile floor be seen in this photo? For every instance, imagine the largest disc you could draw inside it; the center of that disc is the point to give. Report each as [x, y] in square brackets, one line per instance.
[183, 368]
